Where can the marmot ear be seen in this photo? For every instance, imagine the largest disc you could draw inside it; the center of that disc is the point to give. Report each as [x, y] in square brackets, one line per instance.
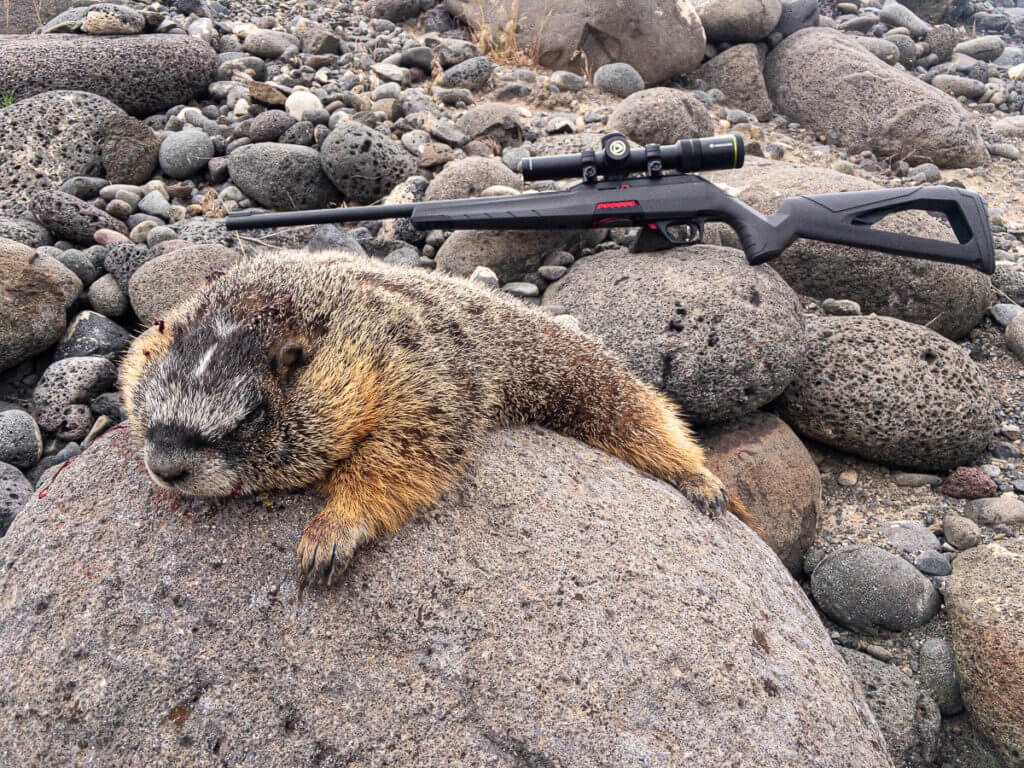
[288, 357]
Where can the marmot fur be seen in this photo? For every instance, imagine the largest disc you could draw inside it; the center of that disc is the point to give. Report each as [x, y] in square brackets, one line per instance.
[375, 383]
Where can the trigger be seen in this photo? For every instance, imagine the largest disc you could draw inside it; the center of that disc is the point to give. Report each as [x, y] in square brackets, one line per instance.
[688, 232]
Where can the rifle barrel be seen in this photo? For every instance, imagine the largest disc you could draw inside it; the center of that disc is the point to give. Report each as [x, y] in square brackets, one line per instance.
[250, 219]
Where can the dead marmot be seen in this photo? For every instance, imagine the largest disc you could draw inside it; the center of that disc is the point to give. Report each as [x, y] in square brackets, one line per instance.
[376, 384]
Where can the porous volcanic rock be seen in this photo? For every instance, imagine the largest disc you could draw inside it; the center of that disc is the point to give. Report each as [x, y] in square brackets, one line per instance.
[908, 716]
[363, 163]
[891, 392]
[826, 81]
[721, 337]
[47, 139]
[142, 74]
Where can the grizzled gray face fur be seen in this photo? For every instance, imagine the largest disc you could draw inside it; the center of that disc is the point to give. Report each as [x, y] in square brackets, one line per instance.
[206, 404]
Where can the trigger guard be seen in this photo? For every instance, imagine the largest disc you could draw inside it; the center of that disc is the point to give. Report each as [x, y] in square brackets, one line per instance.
[695, 231]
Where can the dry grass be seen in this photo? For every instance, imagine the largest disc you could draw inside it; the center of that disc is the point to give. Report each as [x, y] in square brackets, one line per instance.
[581, 55]
[5, 13]
[501, 42]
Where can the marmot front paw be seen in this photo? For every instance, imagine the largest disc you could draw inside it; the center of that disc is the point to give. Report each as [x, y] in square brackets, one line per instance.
[705, 491]
[325, 551]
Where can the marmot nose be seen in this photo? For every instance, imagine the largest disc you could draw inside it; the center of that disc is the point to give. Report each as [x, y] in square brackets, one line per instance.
[167, 468]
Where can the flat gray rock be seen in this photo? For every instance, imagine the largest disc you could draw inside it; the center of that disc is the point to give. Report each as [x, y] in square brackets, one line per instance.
[20, 17]
[142, 74]
[519, 621]
[738, 21]
[165, 281]
[721, 337]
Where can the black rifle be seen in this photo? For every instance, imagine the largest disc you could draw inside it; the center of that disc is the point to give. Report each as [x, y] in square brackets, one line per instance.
[671, 208]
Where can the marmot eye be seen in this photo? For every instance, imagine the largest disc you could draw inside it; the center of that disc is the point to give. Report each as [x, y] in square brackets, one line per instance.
[251, 418]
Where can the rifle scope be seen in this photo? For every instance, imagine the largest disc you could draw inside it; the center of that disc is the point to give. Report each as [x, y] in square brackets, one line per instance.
[616, 159]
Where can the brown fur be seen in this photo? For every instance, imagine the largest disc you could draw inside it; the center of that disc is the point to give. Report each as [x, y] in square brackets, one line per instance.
[403, 373]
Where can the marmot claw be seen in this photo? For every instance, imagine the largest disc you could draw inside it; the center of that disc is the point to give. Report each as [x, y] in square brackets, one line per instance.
[323, 556]
[707, 494]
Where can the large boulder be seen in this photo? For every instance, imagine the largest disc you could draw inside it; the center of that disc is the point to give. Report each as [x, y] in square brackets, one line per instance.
[33, 305]
[738, 21]
[19, 17]
[142, 74]
[832, 85]
[363, 163]
[661, 38]
[47, 139]
[721, 337]
[985, 601]
[764, 465]
[287, 177]
[908, 717]
[736, 72]
[947, 298]
[662, 116]
[560, 608]
[891, 392]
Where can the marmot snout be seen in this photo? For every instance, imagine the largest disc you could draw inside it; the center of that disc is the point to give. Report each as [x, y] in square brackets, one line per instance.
[376, 384]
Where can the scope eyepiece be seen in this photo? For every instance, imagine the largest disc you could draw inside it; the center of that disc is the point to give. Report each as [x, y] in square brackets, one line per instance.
[616, 159]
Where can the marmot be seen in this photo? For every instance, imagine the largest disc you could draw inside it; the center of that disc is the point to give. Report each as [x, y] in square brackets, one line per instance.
[375, 383]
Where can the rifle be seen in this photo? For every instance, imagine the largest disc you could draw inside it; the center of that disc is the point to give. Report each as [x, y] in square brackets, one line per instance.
[671, 208]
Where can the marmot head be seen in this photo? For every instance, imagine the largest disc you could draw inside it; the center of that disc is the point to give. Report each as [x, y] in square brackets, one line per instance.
[214, 411]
